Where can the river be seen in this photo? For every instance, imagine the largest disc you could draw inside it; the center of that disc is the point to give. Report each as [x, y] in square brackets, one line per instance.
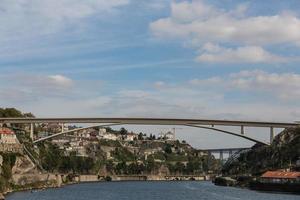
[148, 191]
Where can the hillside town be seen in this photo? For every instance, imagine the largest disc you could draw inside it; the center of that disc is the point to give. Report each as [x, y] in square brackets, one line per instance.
[94, 154]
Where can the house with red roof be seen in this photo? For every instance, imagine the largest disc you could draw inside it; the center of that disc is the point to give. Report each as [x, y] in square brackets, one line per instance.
[280, 177]
[7, 136]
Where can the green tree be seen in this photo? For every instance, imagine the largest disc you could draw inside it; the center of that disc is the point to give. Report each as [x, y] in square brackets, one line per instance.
[168, 149]
[179, 167]
[123, 131]
[141, 136]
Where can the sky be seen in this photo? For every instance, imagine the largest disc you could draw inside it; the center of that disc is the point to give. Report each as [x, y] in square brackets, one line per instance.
[216, 59]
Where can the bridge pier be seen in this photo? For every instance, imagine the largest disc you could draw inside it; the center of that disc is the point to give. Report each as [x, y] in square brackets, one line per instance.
[221, 156]
[31, 131]
[230, 153]
[62, 127]
[242, 130]
[271, 134]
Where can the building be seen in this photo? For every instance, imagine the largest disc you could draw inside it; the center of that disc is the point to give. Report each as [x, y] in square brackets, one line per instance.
[102, 131]
[167, 136]
[43, 134]
[280, 177]
[108, 136]
[7, 136]
[9, 141]
[130, 137]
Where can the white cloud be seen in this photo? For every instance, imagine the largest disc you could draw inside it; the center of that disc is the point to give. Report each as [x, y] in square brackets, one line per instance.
[207, 82]
[43, 82]
[196, 20]
[247, 54]
[197, 23]
[284, 86]
[60, 80]
[133, 93]
[159, 84]
[29, 18]
[28, 87]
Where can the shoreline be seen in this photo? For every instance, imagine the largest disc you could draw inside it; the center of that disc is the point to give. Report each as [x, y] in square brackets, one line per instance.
[248, 184]
[47, 185]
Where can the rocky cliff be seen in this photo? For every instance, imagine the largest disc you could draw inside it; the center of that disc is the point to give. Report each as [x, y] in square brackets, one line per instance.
[282, 153]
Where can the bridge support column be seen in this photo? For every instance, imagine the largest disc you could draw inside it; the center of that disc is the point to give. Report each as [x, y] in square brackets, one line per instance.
[271, 134]
[230, 153]
[242, 130]
[31, 131]
[62, 127]
[221, 156]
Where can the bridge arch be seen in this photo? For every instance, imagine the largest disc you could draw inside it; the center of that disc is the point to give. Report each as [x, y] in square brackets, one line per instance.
[228, 132]
[188, 125]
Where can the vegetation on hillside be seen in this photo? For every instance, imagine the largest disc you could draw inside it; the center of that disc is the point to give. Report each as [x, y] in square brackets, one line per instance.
[12, 112]
[281, 154]
[9, 160]
[174, 156]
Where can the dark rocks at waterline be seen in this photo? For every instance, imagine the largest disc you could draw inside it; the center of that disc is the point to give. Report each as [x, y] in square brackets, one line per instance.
[225, 181]
[239, 181]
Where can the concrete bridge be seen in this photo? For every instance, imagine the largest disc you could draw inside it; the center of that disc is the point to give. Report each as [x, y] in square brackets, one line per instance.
[196, 123]
[222, 151]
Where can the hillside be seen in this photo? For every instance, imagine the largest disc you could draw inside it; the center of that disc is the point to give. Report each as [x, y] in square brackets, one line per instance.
[284, 152]
[107, 157]
[50, 163]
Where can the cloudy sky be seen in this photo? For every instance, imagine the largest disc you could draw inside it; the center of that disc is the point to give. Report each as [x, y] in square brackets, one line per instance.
[228, 59]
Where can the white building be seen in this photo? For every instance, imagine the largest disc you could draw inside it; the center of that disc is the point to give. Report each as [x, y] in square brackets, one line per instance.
[130, 137]
[110, 136]
[7, 136]
[102, 131]
[167, 136]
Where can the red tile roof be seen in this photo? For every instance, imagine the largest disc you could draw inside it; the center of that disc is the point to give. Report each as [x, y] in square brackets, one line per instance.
[6, 131]
[281, 175]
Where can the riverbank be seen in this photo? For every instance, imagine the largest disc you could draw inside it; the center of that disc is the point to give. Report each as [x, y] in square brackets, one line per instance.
[148, 190]
[254, 183]
[62, 180]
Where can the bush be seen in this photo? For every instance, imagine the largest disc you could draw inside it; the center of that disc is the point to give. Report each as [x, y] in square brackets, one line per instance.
[108, 178]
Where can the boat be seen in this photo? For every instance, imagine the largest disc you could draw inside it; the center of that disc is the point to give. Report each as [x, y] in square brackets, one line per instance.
[277, 181]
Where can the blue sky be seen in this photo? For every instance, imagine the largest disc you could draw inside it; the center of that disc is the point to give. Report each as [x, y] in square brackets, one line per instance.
[225, 59]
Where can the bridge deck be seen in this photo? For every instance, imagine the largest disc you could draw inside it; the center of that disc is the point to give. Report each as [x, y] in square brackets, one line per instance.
[151, 121]
[225, 149]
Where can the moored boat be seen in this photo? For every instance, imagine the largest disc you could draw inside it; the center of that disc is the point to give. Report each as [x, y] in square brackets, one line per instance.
[277, 181]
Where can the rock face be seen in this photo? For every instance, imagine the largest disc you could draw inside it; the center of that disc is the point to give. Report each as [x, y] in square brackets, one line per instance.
[284, 152]
[225, 181]
[23, 165]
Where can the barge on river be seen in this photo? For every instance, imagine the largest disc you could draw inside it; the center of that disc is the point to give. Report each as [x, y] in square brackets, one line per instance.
[278, 181]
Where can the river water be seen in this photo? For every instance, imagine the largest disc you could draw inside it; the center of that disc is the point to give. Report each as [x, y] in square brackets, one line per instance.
[148, 191]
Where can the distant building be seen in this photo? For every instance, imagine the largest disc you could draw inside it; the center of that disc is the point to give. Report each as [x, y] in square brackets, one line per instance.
[106, 135]
[102, 131]
[110, 136]
[7, 136]
[84, 134]
[43, 134]
[280, 177]
[167, 136]
[130, 137]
